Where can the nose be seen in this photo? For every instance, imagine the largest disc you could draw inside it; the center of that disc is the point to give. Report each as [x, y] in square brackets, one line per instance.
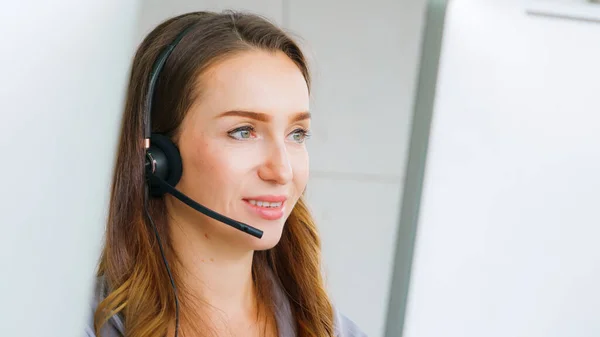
[277, 167]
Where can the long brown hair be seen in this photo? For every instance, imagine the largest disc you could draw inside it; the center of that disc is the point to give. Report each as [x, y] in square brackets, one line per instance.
[131, 265]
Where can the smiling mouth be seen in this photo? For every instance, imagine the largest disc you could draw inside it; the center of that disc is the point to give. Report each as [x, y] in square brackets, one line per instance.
[267, 207]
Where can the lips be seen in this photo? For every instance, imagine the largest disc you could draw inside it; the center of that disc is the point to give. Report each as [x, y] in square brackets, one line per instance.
[268, 207]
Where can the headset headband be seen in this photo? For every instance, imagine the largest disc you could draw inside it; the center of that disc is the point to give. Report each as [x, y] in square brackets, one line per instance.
[156, 69]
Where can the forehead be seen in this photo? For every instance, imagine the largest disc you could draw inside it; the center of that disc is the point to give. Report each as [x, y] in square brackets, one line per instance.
[267, 82]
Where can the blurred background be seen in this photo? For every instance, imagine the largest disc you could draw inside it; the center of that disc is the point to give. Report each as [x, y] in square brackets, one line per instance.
[455, 159]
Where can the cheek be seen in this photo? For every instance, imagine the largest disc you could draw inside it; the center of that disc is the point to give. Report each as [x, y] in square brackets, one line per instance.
[204, 170]
[219, 166]
[300, 167]
[209, 166]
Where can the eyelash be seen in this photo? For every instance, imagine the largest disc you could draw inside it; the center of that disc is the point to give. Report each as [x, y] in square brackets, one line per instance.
[241, 128]
[305, 133]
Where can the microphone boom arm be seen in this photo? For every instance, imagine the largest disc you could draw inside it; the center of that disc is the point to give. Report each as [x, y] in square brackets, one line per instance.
[208, 212]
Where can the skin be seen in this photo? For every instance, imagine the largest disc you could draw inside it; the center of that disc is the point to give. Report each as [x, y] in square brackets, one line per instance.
[225, 162]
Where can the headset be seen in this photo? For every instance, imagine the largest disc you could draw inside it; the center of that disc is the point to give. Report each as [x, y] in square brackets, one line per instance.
[163, 168]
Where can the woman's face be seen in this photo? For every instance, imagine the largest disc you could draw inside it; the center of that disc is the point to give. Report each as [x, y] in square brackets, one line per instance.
[242, 146]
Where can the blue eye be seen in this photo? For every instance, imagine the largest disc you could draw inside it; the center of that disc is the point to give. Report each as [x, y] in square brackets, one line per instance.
[242, 133]
[300, 135]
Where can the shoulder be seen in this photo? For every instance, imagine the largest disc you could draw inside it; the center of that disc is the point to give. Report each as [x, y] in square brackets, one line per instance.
[114, 326]
[345, 327]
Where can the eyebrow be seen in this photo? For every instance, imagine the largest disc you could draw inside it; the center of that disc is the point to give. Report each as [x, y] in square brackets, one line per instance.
[263, 117]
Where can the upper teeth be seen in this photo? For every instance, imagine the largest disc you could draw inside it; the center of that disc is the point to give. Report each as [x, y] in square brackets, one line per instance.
[265, 203]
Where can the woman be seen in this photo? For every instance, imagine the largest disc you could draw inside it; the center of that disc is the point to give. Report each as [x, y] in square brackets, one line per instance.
[233, 96]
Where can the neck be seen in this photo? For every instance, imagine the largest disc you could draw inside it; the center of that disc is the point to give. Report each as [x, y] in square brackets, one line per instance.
[218, 276]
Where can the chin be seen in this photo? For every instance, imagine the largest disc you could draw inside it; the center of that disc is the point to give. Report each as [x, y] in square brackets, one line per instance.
[271, 237]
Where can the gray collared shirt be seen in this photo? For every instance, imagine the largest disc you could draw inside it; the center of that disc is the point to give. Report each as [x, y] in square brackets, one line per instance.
[343, 326]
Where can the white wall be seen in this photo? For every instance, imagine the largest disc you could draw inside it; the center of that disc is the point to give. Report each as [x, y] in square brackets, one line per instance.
[364, 57]
[64, 66]
[507, 242]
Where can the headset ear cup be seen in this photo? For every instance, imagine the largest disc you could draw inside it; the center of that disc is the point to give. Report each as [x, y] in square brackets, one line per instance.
[168, 162]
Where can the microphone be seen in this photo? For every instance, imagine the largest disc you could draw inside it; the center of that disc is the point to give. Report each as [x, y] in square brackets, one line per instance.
[205, 210]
